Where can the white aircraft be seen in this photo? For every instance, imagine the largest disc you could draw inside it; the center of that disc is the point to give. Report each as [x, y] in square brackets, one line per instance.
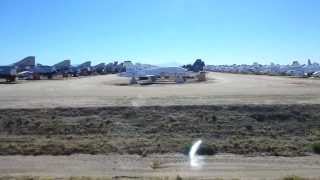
[149, 73]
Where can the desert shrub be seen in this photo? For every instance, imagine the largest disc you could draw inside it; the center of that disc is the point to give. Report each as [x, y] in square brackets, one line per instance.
[258, 117]
[185, 150]
[204, 149]
[155, 164]
[281, 116]
[273, 116]
[214, 118]
[207, 150]
[53, 149]
[294, 178]
[316, 148]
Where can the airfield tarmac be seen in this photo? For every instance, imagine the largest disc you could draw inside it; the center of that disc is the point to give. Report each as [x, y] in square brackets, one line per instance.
[221, 88]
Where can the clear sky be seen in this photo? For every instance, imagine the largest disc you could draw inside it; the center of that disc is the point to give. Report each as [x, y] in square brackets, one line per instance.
[165, 32]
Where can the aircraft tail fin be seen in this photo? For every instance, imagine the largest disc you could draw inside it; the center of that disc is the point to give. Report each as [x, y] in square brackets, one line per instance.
[66, 64]
[86, 64]
[26, 63]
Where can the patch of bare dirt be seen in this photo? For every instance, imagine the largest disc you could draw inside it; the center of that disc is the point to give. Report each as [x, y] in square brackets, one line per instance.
[170, 166]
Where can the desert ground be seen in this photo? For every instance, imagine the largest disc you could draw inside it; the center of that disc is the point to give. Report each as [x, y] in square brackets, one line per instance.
[252, 127]
[109, 91]
[170, 166]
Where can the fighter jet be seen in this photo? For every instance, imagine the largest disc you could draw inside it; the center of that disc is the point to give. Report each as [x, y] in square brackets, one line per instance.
[10, 72]
[28, 71]
[63, 67]
[25, 64]
[149, 73]
[83, 69]
[99, 68]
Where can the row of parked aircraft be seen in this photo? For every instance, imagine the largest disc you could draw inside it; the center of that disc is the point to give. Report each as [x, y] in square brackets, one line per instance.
[28, 69]
[148, 74]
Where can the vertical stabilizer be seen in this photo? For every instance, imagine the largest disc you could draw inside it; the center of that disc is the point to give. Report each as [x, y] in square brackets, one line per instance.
[64, 65]
[85, 65]
[25, 64]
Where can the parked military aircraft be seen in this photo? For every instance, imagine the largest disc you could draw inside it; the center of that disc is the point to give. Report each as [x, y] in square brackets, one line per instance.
[26, 64]
[63, 67]
[10, 72]
[83, 69]
[99, 68]
[34, 72]
[149, 73]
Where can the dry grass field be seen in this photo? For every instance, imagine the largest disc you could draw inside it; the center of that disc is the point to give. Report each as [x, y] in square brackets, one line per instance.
[106, 91]
[279, 130]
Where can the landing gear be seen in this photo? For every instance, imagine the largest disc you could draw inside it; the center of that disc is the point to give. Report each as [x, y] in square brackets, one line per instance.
[65, 75]
[50, 76]
[11, 79]
[180, 80]
[133, 80]
[36, 76]
[153, 79]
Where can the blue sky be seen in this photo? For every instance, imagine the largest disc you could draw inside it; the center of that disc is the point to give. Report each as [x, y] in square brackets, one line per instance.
[165, 32]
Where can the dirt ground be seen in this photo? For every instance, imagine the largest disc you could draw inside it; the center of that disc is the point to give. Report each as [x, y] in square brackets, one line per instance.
[170, 165]
[127, 128]
[106, 91]
[123, 141]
